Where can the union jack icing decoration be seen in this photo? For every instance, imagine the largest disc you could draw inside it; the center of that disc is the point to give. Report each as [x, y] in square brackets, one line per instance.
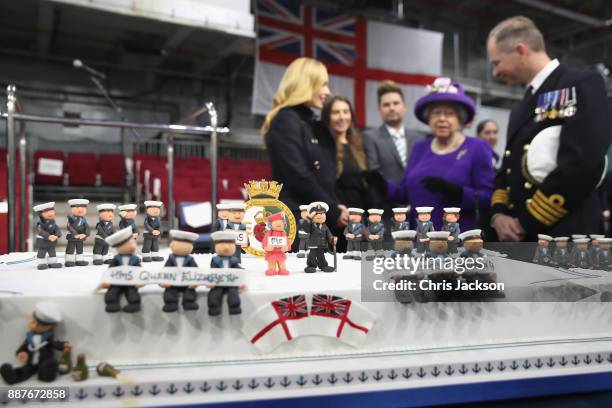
[337, 308]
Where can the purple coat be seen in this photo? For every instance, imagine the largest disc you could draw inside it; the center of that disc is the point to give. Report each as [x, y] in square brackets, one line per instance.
[470, 166]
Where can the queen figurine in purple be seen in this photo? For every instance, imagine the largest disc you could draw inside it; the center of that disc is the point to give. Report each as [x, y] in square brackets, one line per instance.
[447, 169]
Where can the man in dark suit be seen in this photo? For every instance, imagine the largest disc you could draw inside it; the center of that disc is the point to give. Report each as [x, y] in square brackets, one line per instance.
[319, 238]
[557, 140]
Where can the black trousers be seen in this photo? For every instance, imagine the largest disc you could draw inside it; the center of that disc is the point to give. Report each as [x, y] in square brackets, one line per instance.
[171, 294]
[42, 252]
[376, 245]
[74, 245]
[46, 370]
[316, 258]
[303, 244]
[352, 245]
[215, 297]
[114, 293]
[150, 244]
[100, 247]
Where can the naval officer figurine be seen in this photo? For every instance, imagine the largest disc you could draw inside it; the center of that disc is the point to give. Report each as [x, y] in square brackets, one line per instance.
[451, 224]
[560, 257]
[302, 234]
[222, 217]
[542, 255]
[225, 247]
[37, 352]
[375, 232]
[152, 234]
[78, 231]
[124, 243]
[236, 216]
[181, 245]
[47, 233]
[127, 213]
[580, 256]
[104, 229]
[424, 226]
[603, 259]
[320, 238]
[354, 234]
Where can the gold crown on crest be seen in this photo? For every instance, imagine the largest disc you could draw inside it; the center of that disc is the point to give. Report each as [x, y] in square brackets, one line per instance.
[263, 187]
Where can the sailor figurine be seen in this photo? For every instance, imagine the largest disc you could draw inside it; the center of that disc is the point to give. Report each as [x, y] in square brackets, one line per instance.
[320, 238]
[181, 245]
[375, 232]
[124, 243]
[438, 244]
[275, 253]
[127, 213]
[399, 222]
[37, 352]
[542, 254]
[152, 233]
[594, 249]
[451, 224]
[78, 231]
[424, 225]
[403, 241]
[47, 233]
[302, 234]
[560, 257]
[472, 244]
[353, 233]
[225, 246]
[104, 229]
[580, 257]
[222, 217]
[603, 261]
[236, 216]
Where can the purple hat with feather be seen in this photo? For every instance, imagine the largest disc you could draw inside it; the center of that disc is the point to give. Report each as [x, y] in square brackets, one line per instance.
[444, 90]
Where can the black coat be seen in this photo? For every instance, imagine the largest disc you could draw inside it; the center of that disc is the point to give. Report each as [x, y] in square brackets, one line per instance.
[46, 352]
[565, 202]
[302, 154]
[319, 237]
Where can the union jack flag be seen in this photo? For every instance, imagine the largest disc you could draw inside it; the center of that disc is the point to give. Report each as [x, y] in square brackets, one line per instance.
[290, 308]
[329, 306]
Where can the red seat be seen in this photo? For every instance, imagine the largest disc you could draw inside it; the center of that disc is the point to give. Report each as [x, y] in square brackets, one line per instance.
[112, 169]
[82, 169]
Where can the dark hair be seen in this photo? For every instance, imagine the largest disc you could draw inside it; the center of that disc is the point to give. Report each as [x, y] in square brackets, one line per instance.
[389, 86]
[353, 135]
[481, 125]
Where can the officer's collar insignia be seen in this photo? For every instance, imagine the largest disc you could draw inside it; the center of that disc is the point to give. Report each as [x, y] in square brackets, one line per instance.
[557, 104]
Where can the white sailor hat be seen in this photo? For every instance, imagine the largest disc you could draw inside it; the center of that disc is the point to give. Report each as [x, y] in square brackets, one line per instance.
[545, 237]
[471, 234]
[581, 241]
[119, 237]
[127, 207]
[44, 207]
[47, 313]
[222, 206]
[452, 210]
[220, 236]
[596, 236]
[237, 206]
[318, 207]
[438, 235]
[605, 240]
[183, 235]
[578, 236]
[375, 211]
[78, 201]
[400, 210]
[404, 234]
[106, 207]
[561, 239]
[355, 210]
[424, 209]
[304, 207]
[151, 203]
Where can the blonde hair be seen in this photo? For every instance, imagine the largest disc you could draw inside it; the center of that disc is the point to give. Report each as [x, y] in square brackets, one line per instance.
[513, 30]
[303, 77]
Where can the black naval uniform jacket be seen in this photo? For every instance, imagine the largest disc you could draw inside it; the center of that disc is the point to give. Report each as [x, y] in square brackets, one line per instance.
[76, 226]
[302, 154]
[151, 224]
[46, 349]
[43, 230]
[124, 223]
[320, 236]
[565, 202]
[104, 229]
[188, 261]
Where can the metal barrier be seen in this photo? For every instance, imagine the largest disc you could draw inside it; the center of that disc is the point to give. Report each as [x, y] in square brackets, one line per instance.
[11, 116]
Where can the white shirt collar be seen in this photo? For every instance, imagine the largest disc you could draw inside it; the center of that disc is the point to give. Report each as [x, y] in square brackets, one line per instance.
[541, 76]
[395, 132]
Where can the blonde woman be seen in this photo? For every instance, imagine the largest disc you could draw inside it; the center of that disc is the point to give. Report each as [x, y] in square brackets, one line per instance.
[301, 149]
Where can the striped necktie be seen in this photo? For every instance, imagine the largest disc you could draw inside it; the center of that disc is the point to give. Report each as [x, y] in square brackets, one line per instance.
[400, 145]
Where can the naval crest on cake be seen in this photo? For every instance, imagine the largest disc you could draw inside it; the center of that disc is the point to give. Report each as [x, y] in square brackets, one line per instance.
[263, 201]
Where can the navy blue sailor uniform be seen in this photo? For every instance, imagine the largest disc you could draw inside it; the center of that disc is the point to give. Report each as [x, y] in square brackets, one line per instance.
[237, 227]
[171, 294]
[215, 296]
[104, 229]
[151, 242]
[40, 348]
[455, 230]
[423, 227]
[353, 246]
[114, 292]
[303, 237]
[124, 223]
[556, 155]
[376, 228]
[43, 230]
[76, 225]
[318, 241]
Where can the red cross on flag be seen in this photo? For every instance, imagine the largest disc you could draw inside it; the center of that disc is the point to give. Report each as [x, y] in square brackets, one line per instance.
[358, 55]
